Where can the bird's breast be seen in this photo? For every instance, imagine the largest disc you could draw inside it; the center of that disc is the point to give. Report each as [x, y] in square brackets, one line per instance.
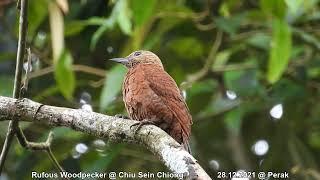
[135, 93]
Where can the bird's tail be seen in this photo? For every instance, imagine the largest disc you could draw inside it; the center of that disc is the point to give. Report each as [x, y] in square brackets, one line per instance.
[186, 146]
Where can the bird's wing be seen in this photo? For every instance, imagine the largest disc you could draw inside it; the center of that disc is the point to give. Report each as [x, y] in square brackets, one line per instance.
[163, 85]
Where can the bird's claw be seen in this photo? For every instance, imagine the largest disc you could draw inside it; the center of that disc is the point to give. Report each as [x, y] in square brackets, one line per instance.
[140, 124]
[121, 116]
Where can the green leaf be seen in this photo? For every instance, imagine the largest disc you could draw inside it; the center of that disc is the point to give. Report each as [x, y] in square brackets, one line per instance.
[187, 47]
[109, 23]
[64, 75]
[280, 50]
[295, 9]
[74, 27]
[142, 13]
[260, 40]
[275, 8]
[230, 24]
[120, 14]
[38, 11]
[112, 86]
[123, 18]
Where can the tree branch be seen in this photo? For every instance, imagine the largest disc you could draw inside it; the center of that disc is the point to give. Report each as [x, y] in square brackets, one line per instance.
[115, 129]
[13, 125]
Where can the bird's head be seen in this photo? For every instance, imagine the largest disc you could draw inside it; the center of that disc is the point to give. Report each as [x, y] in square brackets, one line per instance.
[139, 57]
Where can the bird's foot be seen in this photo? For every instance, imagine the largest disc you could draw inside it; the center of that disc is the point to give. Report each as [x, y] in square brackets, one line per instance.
[140, 124]
[121, 116]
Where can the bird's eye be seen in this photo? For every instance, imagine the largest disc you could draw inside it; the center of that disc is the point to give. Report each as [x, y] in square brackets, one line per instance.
[137, 53]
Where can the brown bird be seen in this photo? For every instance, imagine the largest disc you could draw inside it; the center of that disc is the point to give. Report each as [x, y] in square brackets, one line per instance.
[151, 96]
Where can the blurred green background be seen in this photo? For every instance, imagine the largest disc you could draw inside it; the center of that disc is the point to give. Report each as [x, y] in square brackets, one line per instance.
[249, 70]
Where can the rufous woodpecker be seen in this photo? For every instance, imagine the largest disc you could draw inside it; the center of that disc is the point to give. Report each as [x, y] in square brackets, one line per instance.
[151, 96]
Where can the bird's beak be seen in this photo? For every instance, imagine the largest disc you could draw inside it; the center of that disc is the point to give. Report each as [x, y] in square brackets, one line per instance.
[120, 60]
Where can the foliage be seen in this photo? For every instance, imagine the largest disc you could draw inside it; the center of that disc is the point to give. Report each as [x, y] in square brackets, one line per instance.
[268, 55]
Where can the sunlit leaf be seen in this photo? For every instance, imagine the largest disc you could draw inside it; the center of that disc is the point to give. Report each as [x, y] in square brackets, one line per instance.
[64, 75]
[56, 28]
[294, 5]
[295, 9]
[112, 86]
[280, 50]
[123, 18]
[142, 10]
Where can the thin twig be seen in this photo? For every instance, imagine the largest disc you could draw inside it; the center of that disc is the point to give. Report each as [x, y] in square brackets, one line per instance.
[234, 67]
[209, 61]
[23, 21]
[75, 67]
[43, 146]
[54, 160]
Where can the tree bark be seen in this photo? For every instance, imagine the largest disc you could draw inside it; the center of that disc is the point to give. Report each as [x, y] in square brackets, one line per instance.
[115, 129]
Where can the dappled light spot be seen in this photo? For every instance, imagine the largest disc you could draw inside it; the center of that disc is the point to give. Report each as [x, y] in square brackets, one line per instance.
[41, 35]
[231, 94]
[261, 147]
[85, 102]
[276, 111]
[184, 94]
[81, 148]
[99, 145]
[214, 164]
[110, 49]
[75, 154]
